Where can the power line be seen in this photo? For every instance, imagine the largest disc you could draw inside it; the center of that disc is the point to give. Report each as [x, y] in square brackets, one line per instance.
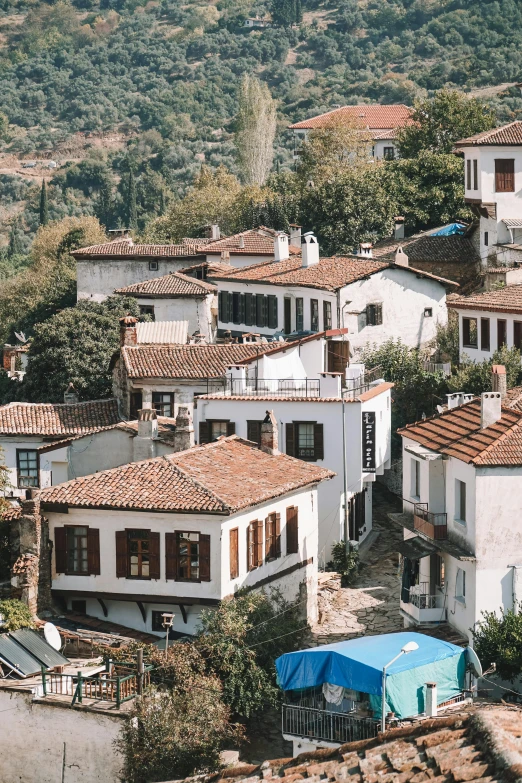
[265, 641]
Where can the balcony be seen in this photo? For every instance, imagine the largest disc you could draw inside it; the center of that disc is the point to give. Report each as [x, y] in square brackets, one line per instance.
[362, 383]
[423, 608]
[316, 724]
[432, 525]
[263, 387]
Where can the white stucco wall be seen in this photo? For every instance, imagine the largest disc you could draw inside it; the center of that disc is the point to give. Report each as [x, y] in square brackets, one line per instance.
[9, 446]
[49, 743]
[98, 278]
[239, 259]
[196, 310]
[478, 354]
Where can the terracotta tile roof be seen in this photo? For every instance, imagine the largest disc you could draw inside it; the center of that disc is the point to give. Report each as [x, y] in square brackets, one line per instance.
[371, 116]
[49, 419]
[505, 300]
[256, 241]
[126, 249]
[184, 361]
[166, 430]
[506, 135]
[221, 477]
[329, 274]
[455, 248]
[514, 398]
[174, 284]
[457, 433]
[216, 267]
[283, 345]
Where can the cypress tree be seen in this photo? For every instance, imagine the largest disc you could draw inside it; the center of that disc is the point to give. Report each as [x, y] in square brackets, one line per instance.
[15, 246]
[44, 206]
[298, 12]
[104, 209]
[132, 210]
[162, 202]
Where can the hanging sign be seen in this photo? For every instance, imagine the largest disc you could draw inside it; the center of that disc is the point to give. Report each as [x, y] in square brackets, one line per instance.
[368, 442]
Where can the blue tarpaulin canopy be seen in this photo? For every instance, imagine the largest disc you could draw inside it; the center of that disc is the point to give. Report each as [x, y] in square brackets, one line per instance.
[358, 663]
[448, 231]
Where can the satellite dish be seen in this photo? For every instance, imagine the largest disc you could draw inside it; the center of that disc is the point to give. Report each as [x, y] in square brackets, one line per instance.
[440, 409]
[52, 636]
[21, 336]
[473, 662]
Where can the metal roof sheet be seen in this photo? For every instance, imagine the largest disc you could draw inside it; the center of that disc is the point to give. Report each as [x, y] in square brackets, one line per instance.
[166, 332]
[17, 657]
[512, 222]
[37, 646]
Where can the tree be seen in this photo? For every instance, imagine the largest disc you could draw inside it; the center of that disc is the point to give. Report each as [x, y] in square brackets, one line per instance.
[329, 152]
[475, 377]
[286, 12]
[44, 206]
[440, 121]
[255, 133]
[104, 206]
[497, 640]
[15, 246]
[131, 210]
[76, 345]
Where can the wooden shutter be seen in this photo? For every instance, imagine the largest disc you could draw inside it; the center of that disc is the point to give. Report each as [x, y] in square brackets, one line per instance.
[517, 334]
[260, 310]
[204, 432]
[468, 174]
[259, 543]
[277, 535]
[93, 551]
[234, 553]
[475, 174]
[250, 546]
[241, 308]
[171, 556]
[292, 538]
[60, 550]
[269, 532]
[290, 440]
[378, 314]
[154, 555]
[272, 311]
[318, 442]
[249, 310]
[222, 305]
[121, 554]
[338, 355]
[505, 175]
[204, 557]
[254, 431]
[231, 427]
[370, 315]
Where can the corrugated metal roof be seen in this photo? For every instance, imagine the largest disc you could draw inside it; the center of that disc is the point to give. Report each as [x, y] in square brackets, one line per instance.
[17, 657]
[162, 332]
[512, 222]
[37, 646]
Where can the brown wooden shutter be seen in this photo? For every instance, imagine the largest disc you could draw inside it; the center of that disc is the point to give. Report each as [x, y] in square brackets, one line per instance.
[249, 546]
[505, 175]
[278, 535]
[290, 440]
[231, 427]
[204, 557]
[268, 537]
[121, 554]
[60, 550]
[93, 551]
[338, 355]
[154, 556]
[318, 442]
[254, 431]
[171, 556]
[204, 432]
[259, 543]
[234, 553]
[292, 538]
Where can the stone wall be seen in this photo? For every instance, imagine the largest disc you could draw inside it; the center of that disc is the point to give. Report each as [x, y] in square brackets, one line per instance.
[392, 478]
[31, 558]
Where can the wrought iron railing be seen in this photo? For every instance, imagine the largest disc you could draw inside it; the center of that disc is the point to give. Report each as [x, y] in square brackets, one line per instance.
[327, 726]
[260, 387]
[433, 525]
[356, 386]
[421, 598]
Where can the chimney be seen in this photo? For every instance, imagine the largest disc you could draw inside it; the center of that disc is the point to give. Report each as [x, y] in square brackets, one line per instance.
[269, 434]
[499, 380]
[295, 235]
[121, 235]
[128, 330]
[70, 396]
[401, 259]
[241, 242]
[365, 250]
[143, 442]
[184, 435]
[490, 409]
[309, 249]
[281, 252]
[215, 233]
[225, 256]
[399, 228]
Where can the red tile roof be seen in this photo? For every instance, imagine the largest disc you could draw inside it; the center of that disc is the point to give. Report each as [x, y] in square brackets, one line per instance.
[256, 241]
[174, 284]
[439, 249]
[371, 116]
[185, 361]
[284, 346]
[221, 477]
[166, 430]
[49, 419]
[504, 300]
[126, 249]
[216, 267]
[457, 433]
[507, 135]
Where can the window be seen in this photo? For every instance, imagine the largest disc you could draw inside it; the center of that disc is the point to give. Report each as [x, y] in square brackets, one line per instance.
[505, 175]
[436, 573]
[299, 315]
[147, 310]
[234, 553]
[157, 620]
[225, 306]
[475, 174]
[287, 316]
[314, 315]
[77, 550]
[137, 554]
[214, 428]
[250, 310]
[236, 307]
[254, 431]
[136, 404]
[389, 153]
[27, 464]
[261, 318]
[163, 403]
[272, 311]
[304, 440]
[501, 332]
[460, 501]
[517, 335]
[138, 548]
[79, 607]
[484, 334]
[338, 355]
[153, 266]
[356, 515]
[415, 479]
[254, 544]
[187, 556]
[460, 586]
[272, 537]
[327, 316]
[468, 174]
[428, 312]
[373, 314]
[469, 332]
[292, 530]
[486, 238]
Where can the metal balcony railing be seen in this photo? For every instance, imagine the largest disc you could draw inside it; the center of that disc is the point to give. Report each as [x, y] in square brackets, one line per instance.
[357, 386]
[421, 598]
[327, 726]
[261, 387]
[435, 526]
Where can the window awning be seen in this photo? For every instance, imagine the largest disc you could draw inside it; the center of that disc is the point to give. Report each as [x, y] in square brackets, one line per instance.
[417, 547]
[512, 222]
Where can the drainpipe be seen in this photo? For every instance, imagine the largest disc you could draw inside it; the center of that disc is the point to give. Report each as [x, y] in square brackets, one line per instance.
[516, 587]
[346, 532]
[338, 295]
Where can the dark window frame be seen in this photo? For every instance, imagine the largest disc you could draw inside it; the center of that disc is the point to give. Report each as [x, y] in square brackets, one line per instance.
[299, 314]
[178, 543]
[28, 476]
[68, 551]
[460, 501]
[147, 310]
[314, 315]
[233, 549]
[315, 452]
[136, 403]
[475, 174]
[485, 334]
[153, 266]
[504, 175]
[129, 532]
[388, 153]
[468, 174]
[486, 238]
[501, 332]
[467, 332]
[428, 312]
[287, 315]
[160, 410]
[517, 335]
[327, 315]
[254, 544]
[374, 314]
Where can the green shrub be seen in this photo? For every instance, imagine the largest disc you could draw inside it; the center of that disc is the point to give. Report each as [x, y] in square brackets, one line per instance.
[345, 562]
[15, 615]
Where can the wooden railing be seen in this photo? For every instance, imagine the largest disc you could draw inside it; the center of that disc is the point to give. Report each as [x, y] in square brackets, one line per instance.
[327, 726]
[117, 686]
[433, 525]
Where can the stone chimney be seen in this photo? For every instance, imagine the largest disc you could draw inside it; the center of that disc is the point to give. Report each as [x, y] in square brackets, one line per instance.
[401, 259]
[70, 396]
[121, 235]
[241, 242]
[399, 228]
[144, 446]
[269, 434]
[225, 256]
[215, 233]
[295, 235]
[281, 252]
[128, 330]
[30, 555]
[499, 380]
[309, 249]
[184, 435]
[365, 250]
[490, 409]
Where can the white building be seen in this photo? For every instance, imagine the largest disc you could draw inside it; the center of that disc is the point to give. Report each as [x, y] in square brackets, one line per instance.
[374, 300]
[493, 189]
[380, 122]
[462, 484]
[182, 532]
[489, 320]
[254, 246]
[313, 395]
